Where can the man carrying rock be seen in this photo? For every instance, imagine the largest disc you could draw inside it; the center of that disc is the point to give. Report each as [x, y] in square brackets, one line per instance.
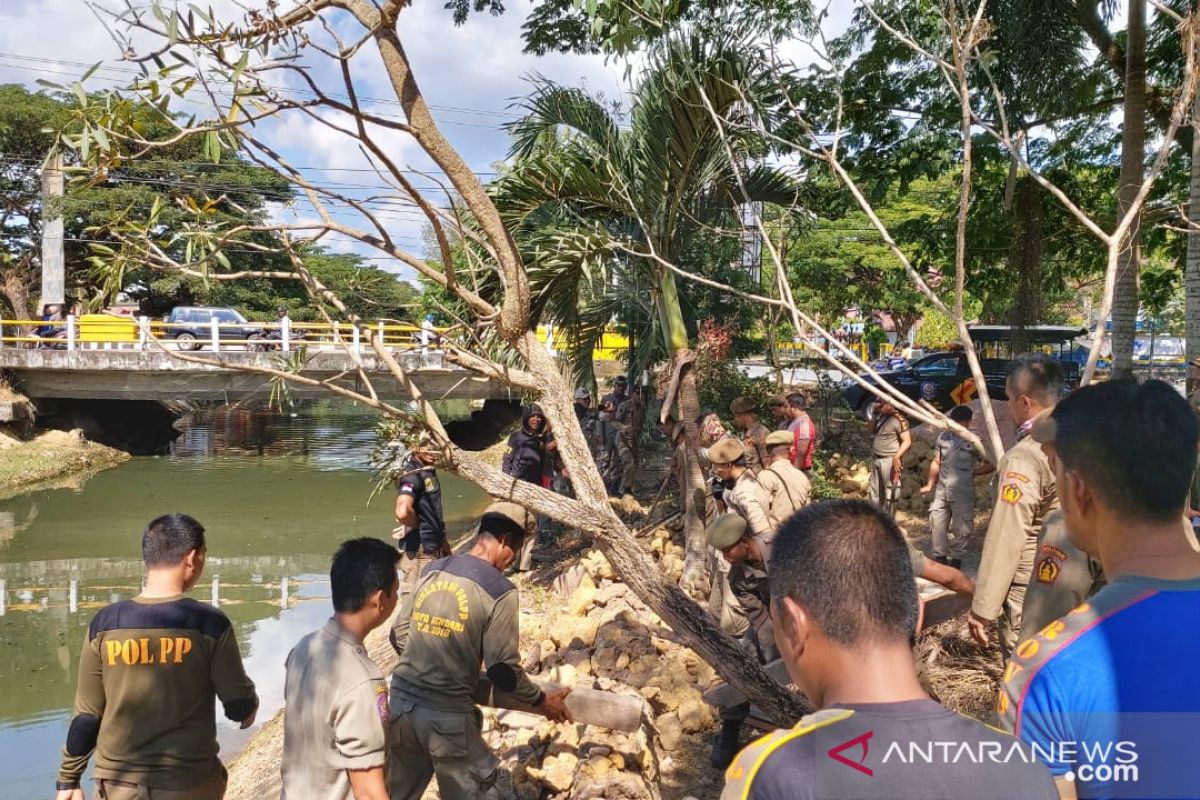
[952, 480]
[463, 615]
[150, 673]
[335, 728]
[891, 440]
[754, 434]
[847, 645]
[748, 556]
[1027, 496]
[788, 489]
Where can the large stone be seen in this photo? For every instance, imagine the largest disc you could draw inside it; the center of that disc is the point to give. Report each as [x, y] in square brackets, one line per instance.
[614, 591]
[572, 632]
[670, 734]
[583, 597]
[695, 715]
[558, 771]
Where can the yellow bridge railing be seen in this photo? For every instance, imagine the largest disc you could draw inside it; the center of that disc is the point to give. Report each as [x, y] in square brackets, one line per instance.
[110, 332]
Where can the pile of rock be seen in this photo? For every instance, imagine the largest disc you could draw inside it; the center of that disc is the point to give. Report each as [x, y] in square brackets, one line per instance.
[602, 637]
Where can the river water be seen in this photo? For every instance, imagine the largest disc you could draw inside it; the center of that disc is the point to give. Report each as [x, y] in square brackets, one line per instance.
[276, 493]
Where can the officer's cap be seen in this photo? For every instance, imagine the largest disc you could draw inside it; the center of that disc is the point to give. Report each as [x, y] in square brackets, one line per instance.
[776, 438]
[582, 394]
[510, 511]
[726, 451]
[743, 405]
[778, 401]
[1044, 428]
[725, 531]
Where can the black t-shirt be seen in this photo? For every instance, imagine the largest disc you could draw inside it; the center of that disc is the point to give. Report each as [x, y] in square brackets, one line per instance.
[426, 492]
[916, 749]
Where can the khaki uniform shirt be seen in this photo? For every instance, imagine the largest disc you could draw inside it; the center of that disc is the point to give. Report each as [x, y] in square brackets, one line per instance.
[957, 460]
[1026, 498]
[1063, 577]
[888, 434]
[748, 499]
[463, 614]
[336, 715]
[755, 439]
[149, 673]
[788, 490]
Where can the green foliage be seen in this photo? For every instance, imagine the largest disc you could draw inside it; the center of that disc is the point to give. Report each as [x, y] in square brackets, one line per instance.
[591, 202]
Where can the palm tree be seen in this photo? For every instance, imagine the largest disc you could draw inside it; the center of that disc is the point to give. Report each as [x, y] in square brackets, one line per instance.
[598, 208]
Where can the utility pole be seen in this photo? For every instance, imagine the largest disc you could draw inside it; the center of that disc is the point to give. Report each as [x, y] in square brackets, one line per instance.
[53, 269]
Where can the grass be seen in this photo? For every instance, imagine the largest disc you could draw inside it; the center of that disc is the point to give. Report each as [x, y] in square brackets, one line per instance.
[52, 455]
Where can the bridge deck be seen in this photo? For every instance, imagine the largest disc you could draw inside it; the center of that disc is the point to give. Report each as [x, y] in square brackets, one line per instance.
[156, 374]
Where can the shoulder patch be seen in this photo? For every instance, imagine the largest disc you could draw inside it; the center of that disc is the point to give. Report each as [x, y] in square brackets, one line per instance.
[1011, 494]
[183, 614]
[741, 773]
[1047, 571]
[476, 570]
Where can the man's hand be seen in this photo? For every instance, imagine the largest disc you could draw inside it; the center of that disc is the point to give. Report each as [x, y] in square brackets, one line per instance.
[69, 794]
[554, 706]
[926, 489]
[978, 626]
[248, 721]
[897, 468]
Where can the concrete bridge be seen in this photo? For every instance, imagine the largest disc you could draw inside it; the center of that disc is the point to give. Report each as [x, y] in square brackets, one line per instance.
[157, 374]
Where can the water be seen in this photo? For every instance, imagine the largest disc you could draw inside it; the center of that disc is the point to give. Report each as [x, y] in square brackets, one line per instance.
[275, 493]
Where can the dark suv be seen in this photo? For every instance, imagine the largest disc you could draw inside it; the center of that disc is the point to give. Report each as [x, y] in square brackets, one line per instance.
[191, 325]
[942, 379]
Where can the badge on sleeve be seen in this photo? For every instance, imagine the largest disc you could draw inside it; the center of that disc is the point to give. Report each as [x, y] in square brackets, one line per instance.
[381, 702]
[1011, 494]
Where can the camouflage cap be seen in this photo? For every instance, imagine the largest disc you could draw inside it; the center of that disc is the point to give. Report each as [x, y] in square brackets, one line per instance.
[743, 405]
[725, 531]
[776, 438]
[777, 400]
[726, 451]
[582, 394]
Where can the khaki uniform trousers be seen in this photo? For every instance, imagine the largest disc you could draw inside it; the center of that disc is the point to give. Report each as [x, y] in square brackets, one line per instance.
[1010, 619]
[880, 481]
[411, 565]
[424, 742]
[628, 466]
[951, 520]
[722, 603]
[124, 790]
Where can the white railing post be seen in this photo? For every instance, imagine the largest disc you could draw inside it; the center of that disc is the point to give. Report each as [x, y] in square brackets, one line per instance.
[382, 339]
[356, 340]
[214, 328]
[143, 332]
[285, 334]
[70, 332]
[337, 332]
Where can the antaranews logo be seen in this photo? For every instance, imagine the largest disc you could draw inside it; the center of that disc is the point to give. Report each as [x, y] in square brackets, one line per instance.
[863, 740]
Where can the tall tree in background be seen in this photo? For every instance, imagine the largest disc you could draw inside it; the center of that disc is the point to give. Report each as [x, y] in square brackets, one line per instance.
[1133, 157]
[584, 189]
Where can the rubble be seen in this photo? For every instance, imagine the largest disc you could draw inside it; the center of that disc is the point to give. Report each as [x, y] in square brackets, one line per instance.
[602, 637]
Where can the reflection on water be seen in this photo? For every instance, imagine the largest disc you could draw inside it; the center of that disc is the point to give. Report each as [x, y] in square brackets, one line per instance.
[276, 495]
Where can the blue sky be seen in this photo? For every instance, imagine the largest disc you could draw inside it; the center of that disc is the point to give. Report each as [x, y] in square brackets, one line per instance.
[472, 73]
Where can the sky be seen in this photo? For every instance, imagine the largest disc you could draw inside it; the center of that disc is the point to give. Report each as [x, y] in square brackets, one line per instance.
[472, 75]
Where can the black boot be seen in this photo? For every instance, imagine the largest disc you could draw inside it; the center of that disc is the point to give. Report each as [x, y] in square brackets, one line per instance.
[725, 746]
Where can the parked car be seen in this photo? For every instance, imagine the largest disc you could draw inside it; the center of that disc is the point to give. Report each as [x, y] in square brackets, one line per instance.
[944, 380]
[192, 325]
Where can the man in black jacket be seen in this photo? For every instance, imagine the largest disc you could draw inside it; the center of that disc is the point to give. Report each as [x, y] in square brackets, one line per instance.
[532, 457]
